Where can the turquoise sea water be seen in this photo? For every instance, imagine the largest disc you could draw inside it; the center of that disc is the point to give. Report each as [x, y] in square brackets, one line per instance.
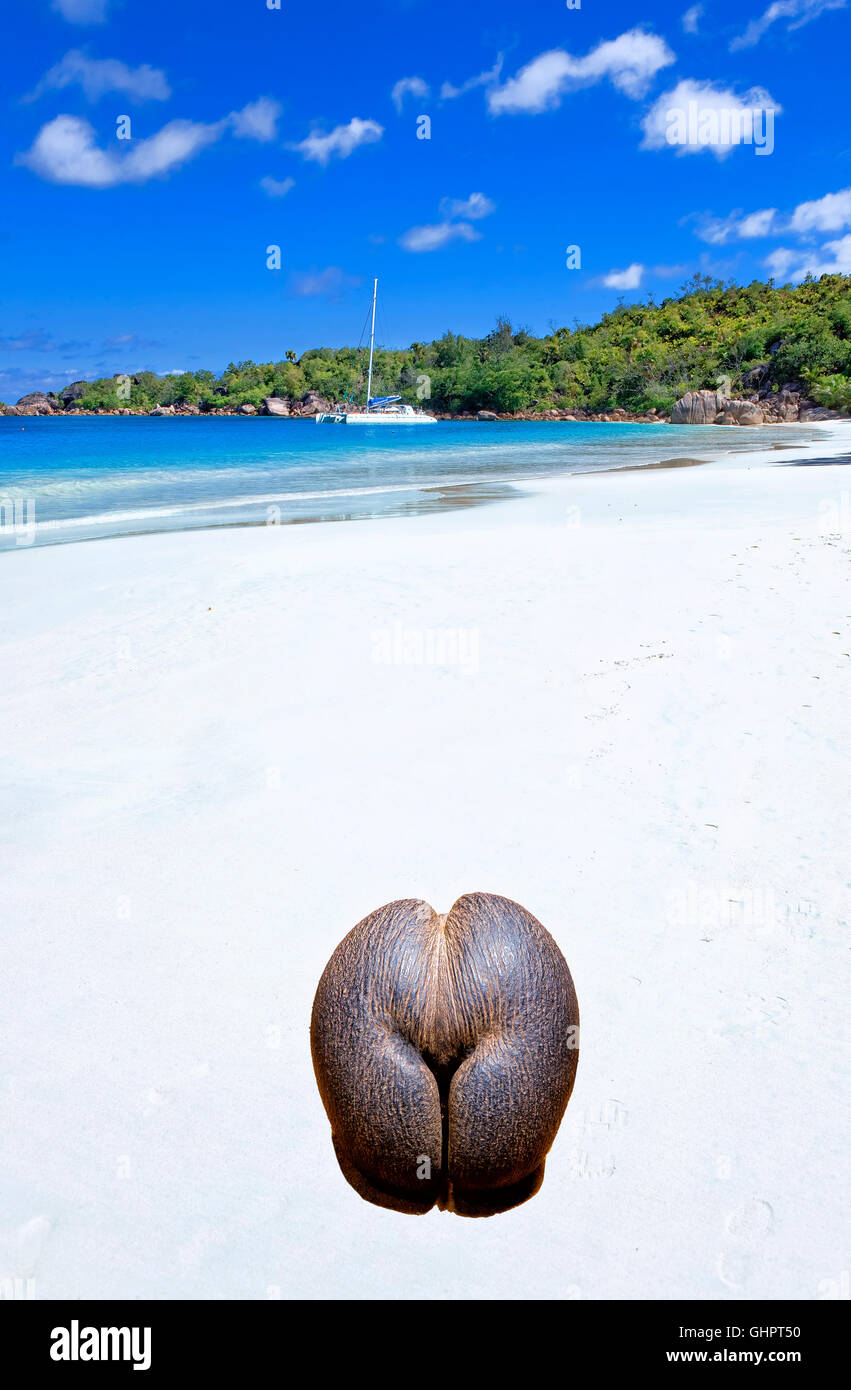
[85, 477]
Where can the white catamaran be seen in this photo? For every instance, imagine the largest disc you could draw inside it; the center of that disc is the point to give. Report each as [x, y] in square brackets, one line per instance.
[380, 410]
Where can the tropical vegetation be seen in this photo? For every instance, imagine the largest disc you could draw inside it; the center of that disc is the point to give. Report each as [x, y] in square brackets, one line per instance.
[639, 356]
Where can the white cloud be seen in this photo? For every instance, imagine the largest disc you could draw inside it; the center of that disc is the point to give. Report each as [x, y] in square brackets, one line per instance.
[341, 141]
[474, 207]
[97, 76]
[332, 281]
[176, 143]
[634, 275]
[798, 12]
[828, 214]
[757, 224]
[538, 86]
[710, 117]
[691, 18]
[257, 121]
[413, 86]
[832, 213]
[628, 279]
[435, 237]
[277, 188]
[630, 62]
[65, 152]
[780, 261]
[834, 258]
[839, 256]
[82, 11]
[483, 79]
[737, 227]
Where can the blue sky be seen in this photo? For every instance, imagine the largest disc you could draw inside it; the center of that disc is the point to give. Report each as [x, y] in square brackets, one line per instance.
[297, 127]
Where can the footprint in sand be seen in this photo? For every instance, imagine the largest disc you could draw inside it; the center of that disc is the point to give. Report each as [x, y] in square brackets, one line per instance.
[752, 1015]
[746, 1230]
[594, 1150]
[20, 1252]
[159, 1096]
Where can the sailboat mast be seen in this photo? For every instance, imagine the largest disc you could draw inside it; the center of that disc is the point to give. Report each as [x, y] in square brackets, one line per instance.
[371, 344]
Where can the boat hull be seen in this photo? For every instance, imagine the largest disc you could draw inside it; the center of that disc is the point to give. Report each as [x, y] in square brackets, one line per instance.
[355, 418]
[377, 419]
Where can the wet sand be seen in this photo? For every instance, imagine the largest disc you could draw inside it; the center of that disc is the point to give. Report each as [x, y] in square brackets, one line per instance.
[649, 467]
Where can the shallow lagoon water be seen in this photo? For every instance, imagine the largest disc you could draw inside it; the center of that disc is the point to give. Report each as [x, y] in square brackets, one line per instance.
[84, 477]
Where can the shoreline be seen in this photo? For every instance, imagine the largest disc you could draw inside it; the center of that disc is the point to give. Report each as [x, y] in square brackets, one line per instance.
[546, 417]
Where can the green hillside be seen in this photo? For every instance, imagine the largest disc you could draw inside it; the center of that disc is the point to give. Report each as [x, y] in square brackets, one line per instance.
[639, 356]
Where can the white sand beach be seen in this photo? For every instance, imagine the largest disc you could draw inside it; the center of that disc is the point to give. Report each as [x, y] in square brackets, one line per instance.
[621, 699]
